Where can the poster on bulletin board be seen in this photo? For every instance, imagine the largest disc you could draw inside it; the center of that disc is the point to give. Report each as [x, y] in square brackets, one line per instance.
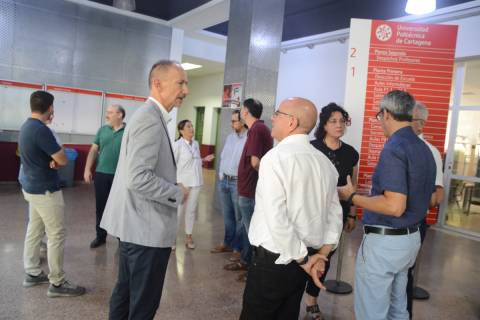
[385, 56]
[232, 95]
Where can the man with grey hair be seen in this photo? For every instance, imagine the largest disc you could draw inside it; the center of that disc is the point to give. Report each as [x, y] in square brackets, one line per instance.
[105, 148]
[142, 208]
[403, 185]
[420, 116]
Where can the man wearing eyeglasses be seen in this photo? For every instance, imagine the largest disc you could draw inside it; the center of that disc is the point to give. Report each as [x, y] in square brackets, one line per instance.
[259, 141]
[403, 187]
[227, 173]
[296, 207]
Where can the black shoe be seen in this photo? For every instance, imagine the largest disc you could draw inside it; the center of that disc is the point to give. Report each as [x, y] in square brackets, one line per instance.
[97, 243]
[31, 281]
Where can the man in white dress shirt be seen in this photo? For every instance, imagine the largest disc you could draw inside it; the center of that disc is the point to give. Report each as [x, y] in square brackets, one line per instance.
[420, 117]
[296, 207]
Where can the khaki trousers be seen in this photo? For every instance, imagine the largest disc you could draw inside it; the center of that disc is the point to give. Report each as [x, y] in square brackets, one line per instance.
[46, 215]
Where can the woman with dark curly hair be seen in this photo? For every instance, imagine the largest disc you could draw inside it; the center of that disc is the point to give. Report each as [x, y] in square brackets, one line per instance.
[333, 121]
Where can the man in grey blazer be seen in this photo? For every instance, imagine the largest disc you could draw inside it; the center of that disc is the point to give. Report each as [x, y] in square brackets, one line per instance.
[142, 207]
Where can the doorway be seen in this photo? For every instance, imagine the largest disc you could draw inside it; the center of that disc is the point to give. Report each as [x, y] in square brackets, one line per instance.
[199, 121]
[460, 209]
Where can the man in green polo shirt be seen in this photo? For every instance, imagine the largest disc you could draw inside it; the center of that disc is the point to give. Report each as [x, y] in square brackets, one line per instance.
[106, 148]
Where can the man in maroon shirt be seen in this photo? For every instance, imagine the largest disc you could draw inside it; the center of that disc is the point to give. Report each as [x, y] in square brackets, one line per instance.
[259, 141]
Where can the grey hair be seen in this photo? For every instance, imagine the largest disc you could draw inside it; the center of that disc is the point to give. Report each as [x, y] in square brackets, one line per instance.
[422, 110]
[162, 65]
[399, 104]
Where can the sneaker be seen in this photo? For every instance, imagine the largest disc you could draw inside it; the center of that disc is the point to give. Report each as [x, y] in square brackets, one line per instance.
[65, 290]
[97, 243]
[31, 281]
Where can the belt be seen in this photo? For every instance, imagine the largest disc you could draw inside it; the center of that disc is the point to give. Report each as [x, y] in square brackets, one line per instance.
[227, 177]
[390, 232]
[261, 252]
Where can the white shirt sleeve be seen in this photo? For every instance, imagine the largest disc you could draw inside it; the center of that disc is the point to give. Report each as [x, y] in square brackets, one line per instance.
[334, 222]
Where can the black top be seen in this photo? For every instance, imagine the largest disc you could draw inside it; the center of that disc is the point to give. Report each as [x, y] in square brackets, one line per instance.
[344, 159]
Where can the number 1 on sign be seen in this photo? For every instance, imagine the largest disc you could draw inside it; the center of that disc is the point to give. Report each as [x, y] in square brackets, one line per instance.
[353, 71]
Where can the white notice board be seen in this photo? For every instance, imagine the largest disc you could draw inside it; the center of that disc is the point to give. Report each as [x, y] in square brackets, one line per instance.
[128, 102]
[15, 103]
[77, 111]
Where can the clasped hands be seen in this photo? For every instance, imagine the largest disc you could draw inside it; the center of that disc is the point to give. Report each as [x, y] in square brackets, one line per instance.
[315, 267]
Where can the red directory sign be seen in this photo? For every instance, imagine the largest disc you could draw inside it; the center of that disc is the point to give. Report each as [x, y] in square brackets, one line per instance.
[386, 55]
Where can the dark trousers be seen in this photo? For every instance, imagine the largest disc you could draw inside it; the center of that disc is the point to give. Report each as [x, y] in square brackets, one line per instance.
[312, 288]
[273, 291]
[141, 271]
[103, 184]
[423, 231]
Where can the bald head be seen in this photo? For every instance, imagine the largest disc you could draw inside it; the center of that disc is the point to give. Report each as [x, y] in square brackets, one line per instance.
[294, 116]
[302, 109]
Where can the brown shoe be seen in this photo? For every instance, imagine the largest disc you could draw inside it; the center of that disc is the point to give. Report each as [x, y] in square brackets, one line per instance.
[235, 266]
[235, 256]
[242, 277]
[221, 249]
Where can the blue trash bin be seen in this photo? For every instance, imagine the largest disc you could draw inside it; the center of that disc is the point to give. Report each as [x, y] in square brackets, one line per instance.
[67, 172]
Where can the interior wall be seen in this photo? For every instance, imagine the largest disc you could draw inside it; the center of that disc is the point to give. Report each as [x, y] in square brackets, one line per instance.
[64, 43]
[319, 74]
[205, 91]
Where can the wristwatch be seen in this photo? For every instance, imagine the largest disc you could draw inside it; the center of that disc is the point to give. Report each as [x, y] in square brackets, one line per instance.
[303, 261]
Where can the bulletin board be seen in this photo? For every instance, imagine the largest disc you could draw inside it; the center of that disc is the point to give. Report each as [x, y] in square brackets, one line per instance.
[77, 111]
[15, 103]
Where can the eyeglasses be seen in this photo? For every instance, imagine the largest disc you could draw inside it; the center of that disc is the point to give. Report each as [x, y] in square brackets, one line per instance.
[379, 115]
[278, 112]
[233, 121]
[342, 122]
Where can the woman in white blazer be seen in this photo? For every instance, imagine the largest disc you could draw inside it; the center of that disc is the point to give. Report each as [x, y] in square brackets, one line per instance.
[189, 173]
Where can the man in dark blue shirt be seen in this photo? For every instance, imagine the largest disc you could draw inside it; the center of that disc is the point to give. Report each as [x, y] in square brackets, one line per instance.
[403, 187]
[41, 156]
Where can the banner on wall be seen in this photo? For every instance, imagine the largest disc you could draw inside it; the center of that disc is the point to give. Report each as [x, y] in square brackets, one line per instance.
[232, 95]
[386, 55]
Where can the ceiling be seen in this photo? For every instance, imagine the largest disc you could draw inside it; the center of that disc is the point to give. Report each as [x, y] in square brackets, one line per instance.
[302, 17]
[208, 66]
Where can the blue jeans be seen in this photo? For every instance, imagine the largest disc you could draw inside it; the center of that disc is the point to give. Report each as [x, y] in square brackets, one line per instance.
[381, 275]
[231, 214]
[246, 206]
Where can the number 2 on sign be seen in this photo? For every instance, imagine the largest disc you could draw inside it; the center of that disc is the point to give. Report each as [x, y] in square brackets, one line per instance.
[354, 53]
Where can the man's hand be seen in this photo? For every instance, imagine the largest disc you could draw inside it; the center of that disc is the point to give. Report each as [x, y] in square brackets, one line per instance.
[209, 158]
[315, 267]
[344, 192]
[349, 225]
[185, 192]
[87, 176]
[54, 165]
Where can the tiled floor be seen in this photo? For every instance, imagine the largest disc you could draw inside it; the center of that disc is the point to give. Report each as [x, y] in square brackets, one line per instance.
[196, 285]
